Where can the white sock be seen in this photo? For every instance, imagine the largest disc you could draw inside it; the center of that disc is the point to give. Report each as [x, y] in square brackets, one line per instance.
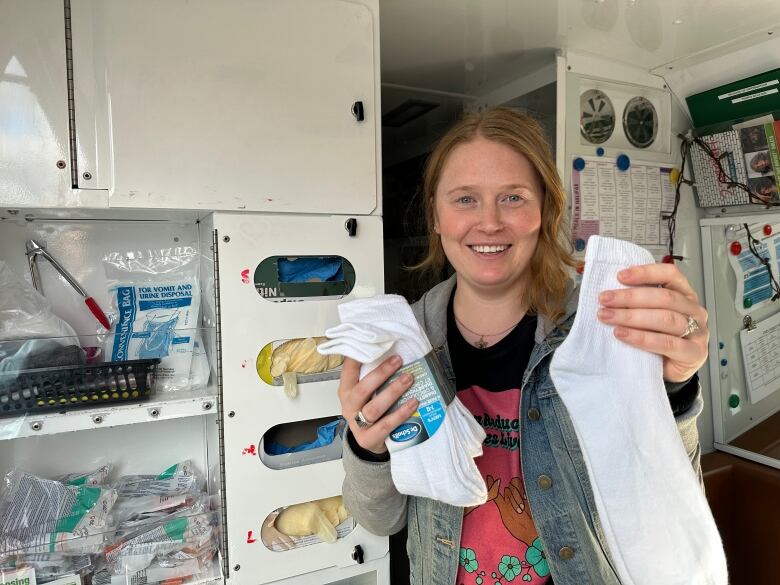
[366, 342]
[656, 520]
[416, 470]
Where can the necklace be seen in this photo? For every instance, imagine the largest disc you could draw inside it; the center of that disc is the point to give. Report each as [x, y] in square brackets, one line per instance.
[481, 343]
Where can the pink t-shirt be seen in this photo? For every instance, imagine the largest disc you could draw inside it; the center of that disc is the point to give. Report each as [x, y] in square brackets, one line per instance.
[499, 543]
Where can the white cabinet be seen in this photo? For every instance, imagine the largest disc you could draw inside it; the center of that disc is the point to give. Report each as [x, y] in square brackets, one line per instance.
[35, 160]
[236, 105]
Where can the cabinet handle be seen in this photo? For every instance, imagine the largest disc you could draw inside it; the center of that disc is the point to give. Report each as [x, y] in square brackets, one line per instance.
[358, 112]
[357, 554]
[351, 226]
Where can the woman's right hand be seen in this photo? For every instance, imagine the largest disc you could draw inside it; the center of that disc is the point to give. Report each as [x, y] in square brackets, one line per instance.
[358, 395]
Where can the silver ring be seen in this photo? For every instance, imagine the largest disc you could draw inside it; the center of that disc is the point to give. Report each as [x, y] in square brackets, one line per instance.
[691, 327]
[361, 420]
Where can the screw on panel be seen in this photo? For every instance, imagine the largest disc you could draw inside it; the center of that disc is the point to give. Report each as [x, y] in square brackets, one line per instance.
[232, 413]
[36, 425]
[154, 412]
[97, 419]
[87, 176]
[61, 164]
[226, 239]
[207, 406]
[237, 568]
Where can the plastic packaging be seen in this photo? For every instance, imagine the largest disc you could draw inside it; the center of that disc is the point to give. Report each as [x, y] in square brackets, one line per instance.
[181, 478]
[40, 515]
[129, 512]
[137, 550]
[156, 302]
[31, 335]
[50, 567]
[92, 478]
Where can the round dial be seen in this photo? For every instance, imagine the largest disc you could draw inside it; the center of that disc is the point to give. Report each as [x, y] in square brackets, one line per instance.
[597, 116]
[640, 122]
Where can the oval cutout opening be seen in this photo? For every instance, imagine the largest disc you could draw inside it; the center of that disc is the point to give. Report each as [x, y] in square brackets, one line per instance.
[305, 524]
[300, 278]
[289, 362]
[303, 442]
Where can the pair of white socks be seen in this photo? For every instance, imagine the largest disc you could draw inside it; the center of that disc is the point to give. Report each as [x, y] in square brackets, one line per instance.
[657, 523]
[441, 467]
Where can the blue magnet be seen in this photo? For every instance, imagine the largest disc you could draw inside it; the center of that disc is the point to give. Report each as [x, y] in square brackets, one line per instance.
[623, 162]
[599, 151]
[579, 163]
[724, 362]
[579, 245]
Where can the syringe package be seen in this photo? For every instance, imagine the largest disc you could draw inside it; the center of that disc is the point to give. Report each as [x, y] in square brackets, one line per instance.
[155, 300]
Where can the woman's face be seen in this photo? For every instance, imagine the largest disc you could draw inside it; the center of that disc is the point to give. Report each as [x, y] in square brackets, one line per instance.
[488, 211]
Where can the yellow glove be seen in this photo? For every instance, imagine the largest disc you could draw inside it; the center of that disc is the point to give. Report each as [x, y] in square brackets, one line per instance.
[300, 356]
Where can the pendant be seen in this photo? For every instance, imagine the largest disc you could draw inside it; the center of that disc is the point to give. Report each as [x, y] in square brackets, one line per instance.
[481, 343]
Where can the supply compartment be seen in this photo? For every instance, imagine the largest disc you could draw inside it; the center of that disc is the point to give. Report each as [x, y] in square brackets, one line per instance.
[255, 407]
[114, 454]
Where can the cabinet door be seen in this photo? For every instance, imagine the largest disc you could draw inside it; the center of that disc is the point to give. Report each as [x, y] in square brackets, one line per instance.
[35, 166]
[251, 319]
[235, 105]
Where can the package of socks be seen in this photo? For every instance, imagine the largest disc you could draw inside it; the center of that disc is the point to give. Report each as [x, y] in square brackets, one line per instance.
[427, 389]
[432, 453]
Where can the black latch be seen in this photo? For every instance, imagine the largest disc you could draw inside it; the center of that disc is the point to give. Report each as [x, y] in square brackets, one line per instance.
[357, 111]
[351, 226]
[357, 554]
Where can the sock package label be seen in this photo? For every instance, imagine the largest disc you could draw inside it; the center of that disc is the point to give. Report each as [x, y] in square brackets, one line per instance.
[430, 413]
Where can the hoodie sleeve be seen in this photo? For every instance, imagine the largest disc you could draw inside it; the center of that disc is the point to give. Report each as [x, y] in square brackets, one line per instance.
[370, 495]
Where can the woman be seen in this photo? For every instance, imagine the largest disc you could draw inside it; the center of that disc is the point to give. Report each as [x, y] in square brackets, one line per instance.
[495, 208]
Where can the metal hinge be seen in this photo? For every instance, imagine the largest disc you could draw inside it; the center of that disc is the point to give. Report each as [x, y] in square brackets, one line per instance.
[74, 167]
[220, 417]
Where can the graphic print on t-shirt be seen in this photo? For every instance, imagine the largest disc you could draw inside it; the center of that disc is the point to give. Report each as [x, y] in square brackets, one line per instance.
[499, 543]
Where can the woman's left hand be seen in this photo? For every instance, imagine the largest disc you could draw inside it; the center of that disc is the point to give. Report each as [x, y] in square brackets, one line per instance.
[653, 315]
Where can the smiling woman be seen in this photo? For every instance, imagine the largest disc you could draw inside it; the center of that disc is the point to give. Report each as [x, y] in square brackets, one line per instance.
[495, 209]
[491, 181]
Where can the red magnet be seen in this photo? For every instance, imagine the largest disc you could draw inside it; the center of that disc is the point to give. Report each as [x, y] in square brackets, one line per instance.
[735, 248]
[667, 259]
[767, 230]
[581, 268]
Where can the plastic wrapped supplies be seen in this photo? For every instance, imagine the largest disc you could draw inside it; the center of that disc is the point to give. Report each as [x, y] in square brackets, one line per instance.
[31, 335]
[40, 515]
[137, 528]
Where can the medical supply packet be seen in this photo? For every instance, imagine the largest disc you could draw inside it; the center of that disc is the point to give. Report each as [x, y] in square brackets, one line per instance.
[155, 298]
[180, 478]
[40, 515]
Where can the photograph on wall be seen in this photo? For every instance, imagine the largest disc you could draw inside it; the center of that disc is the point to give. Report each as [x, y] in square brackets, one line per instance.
[758, 138]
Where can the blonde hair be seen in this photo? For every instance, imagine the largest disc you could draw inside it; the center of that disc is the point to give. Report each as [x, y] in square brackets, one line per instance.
[548, 275]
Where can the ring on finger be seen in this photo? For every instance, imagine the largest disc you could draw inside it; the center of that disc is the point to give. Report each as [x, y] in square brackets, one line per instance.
[691, 327]
[362, 421]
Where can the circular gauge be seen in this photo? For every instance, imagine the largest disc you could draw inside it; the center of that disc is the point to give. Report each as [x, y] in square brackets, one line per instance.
[597, 116]
[640, 122]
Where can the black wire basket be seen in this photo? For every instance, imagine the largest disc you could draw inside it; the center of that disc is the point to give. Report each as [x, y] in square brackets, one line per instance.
[66, 388]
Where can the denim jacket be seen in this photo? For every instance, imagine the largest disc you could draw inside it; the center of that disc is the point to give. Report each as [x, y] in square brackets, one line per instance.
[563, 510]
